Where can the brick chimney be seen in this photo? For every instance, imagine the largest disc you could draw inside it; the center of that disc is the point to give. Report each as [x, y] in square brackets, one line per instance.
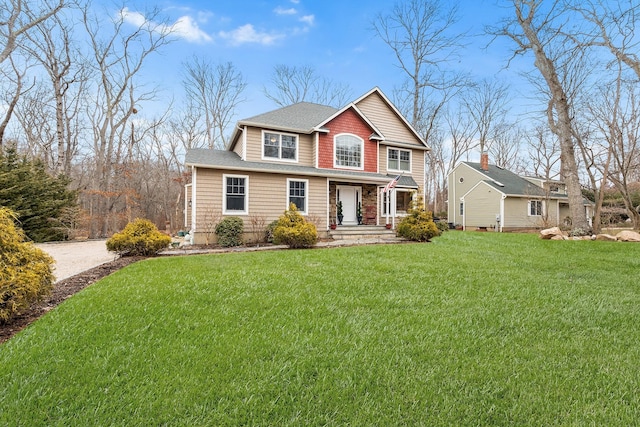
[484, 161]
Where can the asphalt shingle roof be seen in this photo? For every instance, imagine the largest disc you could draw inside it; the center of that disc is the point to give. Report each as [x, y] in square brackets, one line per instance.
[510, 183]
[222, 159]
[302, 117]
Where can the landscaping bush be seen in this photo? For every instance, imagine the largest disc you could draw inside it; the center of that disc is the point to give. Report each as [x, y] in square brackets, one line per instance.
[294, 231]
[418, 225]
[229, 231]
[269, 231]
[139, 238]
[442, 226]
[26, 273]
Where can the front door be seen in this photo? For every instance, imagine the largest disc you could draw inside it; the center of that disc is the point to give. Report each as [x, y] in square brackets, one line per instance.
[349, 196]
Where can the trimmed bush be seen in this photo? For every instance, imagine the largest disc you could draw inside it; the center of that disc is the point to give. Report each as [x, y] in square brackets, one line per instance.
[139, 238]
[294, 231]
[442, 226]
[26, 272]
[229, 231]
[418, 225]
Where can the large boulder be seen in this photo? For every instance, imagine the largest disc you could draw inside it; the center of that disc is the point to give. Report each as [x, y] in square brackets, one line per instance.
[606, 237]
[549, 233]
[628, 236]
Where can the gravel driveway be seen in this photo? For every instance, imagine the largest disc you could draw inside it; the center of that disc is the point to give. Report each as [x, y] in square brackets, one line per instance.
[75, 257]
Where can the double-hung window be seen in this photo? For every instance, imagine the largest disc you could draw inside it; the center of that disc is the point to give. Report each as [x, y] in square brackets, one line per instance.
[235, 194]
[348, 151]
[399, 160]
[298, 194]
[535, 207]
[279, 146]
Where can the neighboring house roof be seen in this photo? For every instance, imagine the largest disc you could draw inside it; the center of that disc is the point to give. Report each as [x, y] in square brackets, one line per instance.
[510, 183]
[222, 159]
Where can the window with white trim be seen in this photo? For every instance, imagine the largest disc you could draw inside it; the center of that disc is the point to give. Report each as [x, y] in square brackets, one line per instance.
[298, 194]
[535, 207]
[348, 151]
[279, 146]
[235, 194]
[398, 160]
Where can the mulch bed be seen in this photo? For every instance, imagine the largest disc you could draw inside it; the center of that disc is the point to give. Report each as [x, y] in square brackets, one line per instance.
[61, 291]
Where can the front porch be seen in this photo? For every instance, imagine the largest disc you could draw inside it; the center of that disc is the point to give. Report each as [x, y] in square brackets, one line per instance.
[363, 232]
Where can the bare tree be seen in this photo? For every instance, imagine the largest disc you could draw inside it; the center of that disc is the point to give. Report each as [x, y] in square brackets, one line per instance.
[17, 17]
[613, 27]
[505, 146]
[291, 84]
[420, 34]
[10, 95]
[540, 32]
[214, 91]
[487, 104]
[51, 46]
[117, 57]
[544, 152]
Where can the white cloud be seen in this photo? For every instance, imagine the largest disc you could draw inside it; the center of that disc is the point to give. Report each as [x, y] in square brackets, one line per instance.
[248, 34]
[185, 27]
[188, 29]
[282, 11]
[308, 19]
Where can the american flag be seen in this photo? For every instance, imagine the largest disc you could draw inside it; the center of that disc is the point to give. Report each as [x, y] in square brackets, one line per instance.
[391, 184]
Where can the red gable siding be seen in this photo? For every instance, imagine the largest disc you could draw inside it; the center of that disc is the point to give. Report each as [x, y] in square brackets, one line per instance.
[348, 122]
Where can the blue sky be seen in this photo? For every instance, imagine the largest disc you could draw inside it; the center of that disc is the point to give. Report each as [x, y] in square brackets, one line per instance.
[332, 36]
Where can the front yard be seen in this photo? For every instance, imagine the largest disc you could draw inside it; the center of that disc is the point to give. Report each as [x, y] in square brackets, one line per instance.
[472, 329]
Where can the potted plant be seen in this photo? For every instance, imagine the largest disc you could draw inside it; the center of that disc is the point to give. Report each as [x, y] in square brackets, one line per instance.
[388, 225]
[332, 224]
[359, 213]
[339, 211]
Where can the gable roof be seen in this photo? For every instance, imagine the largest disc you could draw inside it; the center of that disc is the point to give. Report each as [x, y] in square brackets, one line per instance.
[376, 91]
[302, 117]
[510, 183]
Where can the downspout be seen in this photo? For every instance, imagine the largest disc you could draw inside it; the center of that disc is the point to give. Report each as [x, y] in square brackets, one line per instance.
[464, 213]
[502, 218]
[194, 202]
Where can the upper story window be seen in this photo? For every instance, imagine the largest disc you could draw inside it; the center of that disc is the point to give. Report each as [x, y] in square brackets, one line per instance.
[279, 146]
[349, 151]
[399, 160]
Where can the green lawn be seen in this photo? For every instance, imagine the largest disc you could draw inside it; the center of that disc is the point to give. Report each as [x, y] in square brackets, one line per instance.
[472, 329]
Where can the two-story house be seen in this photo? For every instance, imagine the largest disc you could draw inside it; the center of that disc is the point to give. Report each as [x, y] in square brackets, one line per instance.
[314, 156]
[482, 195]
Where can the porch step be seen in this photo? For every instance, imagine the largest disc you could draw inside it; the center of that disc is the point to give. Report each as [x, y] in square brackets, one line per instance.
[348, 232]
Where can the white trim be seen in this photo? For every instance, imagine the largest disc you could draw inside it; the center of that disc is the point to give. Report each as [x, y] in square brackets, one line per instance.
[224, 195]
[279, 158]
[399, 150]
[306, 194]
[358, 112]
[317, 152]
[244, 144]
[335, 147]
[188, 195]
[395, 110]
[194, 180]
[542, 207]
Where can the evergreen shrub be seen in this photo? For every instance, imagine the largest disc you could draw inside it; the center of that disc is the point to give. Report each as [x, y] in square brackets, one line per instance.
[229, 231]
[418, 225]
[139, 238]
[294, 231]
[26, 272]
